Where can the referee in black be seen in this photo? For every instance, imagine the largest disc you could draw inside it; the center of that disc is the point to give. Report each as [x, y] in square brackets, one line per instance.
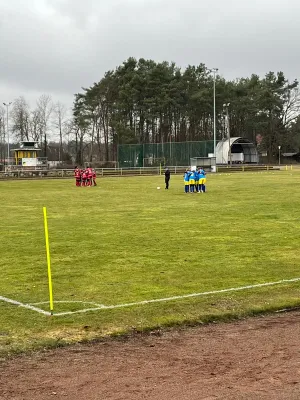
[167, 177]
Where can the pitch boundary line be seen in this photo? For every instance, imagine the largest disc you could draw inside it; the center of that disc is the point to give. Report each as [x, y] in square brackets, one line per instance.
[143, 302]
[69, 302]
[23, 305]
[185, 296]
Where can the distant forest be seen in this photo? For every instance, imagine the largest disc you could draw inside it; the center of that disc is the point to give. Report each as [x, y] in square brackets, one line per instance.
[143, 101]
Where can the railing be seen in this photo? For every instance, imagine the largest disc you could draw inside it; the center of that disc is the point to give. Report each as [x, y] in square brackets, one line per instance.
[123, 172]
[10, 165]
[248, 168]
[101, 172]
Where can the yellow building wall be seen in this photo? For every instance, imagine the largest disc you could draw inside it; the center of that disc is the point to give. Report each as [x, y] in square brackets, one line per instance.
[24, 154]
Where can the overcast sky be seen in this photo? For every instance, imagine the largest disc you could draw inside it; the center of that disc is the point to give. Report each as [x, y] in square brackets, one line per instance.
[58, 46]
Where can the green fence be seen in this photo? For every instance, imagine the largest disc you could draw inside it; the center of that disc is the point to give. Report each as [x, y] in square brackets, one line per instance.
[173, 153]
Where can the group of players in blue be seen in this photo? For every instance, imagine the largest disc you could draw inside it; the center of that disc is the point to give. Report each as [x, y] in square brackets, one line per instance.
[195, 181]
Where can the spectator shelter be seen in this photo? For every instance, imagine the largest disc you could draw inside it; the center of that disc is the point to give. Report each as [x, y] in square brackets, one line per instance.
[26, 155]
[239, 151]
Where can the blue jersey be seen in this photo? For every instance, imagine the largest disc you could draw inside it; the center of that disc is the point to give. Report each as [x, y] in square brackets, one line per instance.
[186, 177]
[196, 176]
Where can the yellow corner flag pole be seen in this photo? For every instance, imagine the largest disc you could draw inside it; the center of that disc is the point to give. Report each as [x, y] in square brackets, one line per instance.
[48, 259]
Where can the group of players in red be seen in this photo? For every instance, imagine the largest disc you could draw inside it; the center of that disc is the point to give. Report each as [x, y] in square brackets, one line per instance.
[85, 177]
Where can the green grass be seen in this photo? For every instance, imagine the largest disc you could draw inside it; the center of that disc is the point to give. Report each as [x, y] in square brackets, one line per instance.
[125, 241]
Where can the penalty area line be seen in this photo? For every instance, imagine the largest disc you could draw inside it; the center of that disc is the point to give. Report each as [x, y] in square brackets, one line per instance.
[185, 296]
[27, 306]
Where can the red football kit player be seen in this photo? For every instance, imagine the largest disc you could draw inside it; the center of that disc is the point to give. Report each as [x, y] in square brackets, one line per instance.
[84, 178]
[90, 177]
[77, 176]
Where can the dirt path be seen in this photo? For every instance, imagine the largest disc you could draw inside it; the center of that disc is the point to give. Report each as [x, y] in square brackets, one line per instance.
[252, 359]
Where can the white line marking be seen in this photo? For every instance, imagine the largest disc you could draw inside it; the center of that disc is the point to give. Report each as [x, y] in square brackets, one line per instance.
[139, 303]
[68, 302]
[28, 306]
[185, 296]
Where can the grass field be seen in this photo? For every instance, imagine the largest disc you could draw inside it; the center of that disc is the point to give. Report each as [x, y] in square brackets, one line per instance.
[126, 242]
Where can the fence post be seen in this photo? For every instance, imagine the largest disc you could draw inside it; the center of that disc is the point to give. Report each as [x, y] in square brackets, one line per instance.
[140, 171]
[102, 171]
[175, 169]
[121, 171]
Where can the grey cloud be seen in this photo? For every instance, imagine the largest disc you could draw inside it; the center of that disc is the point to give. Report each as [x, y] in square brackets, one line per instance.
[57, 46]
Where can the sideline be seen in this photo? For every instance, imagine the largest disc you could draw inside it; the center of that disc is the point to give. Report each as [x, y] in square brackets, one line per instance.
[27, 306]
[185, 296]
[139, 303]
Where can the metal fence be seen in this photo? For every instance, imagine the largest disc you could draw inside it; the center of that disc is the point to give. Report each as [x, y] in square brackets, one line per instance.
[154, 154]
[123, 172]
[101, 172]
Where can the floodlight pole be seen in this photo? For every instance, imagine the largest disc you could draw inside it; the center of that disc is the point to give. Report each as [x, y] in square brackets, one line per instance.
[170, 162]
[8, 151]
[226, 106]
[214, 71]
[1, 139]
[162, 146]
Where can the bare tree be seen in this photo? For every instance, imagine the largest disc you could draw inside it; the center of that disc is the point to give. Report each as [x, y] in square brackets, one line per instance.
[35, 126]
[44, 111]
[20, 116]
[60, 124]
[291, 107]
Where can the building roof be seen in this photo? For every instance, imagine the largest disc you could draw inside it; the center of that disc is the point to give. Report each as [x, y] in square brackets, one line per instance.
[248, 148]
[288, 154]
[27, 145]
[26, 148]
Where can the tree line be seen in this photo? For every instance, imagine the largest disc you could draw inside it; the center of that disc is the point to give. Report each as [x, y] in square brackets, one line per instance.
[143, 101]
